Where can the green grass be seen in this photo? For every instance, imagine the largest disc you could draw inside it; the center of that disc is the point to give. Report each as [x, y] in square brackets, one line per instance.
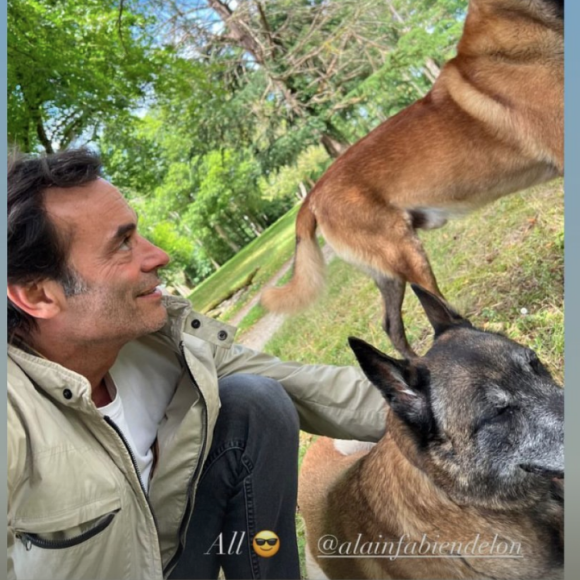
[268, 252]
[306, 439]
[257, 311]
[489, 265]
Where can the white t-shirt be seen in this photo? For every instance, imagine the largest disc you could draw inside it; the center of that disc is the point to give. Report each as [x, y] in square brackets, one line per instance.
[116, 412]
[141, 384]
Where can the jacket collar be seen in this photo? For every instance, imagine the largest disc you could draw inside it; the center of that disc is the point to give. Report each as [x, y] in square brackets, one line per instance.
[182, 319]
[56, 379]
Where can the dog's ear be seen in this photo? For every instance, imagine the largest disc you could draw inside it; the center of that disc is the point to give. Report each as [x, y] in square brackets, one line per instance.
[404, 385]
[441, 316]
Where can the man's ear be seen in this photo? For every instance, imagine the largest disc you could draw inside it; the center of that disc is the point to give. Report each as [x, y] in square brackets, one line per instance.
[43, 299]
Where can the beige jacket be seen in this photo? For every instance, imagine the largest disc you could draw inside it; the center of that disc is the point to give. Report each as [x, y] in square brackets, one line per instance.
[76, 507]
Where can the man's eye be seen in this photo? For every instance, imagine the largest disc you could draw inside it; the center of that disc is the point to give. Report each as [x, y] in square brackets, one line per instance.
[126, 244]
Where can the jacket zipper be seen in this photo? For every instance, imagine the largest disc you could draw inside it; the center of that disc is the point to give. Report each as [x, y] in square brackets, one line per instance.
[30, 540]
[118, 431]
[182, 526]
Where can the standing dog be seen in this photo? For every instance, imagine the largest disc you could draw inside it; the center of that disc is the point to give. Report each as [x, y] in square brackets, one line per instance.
[492, 124]
[474, 451]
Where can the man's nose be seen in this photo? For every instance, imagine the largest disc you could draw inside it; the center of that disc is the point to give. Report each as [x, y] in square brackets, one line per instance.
[155, 257]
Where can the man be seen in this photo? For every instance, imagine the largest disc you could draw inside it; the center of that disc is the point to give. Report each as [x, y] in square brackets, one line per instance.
[121, 463]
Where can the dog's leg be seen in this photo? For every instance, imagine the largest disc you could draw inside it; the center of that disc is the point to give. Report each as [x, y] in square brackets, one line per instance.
[381, 239]
[411, 265]
[415, 267]
[393, 292]
[313, 569]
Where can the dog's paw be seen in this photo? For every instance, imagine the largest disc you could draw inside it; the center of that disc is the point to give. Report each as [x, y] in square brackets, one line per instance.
[350, 447]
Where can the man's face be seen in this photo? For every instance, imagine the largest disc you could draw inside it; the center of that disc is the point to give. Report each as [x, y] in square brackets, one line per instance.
[117, 266]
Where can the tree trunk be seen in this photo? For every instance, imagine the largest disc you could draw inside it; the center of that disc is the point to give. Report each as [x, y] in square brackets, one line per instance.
[242, 35]
[236, 226]
[32, 103]
[302, 191]
[254, 226]
[332, 146]
[432, 70]
[222, 234]
[213, 262]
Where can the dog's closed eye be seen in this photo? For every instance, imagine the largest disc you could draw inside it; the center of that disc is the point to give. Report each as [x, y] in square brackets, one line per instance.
[502, 412]
[497, 415]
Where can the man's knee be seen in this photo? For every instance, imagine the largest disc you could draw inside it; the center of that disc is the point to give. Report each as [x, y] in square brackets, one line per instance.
[262, 399]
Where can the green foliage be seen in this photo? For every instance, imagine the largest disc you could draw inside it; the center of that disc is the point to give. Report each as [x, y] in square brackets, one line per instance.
[226, 210]
[202, 210]
[426, 37]
[200, 100]
[213, 125]
[285, 182]
[133, 155]
[72, 66]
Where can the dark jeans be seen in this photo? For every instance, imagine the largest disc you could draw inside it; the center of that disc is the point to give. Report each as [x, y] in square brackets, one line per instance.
[248, 484]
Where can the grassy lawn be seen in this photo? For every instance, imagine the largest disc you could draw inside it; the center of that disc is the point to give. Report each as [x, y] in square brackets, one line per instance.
[267, 252]
[501, 266]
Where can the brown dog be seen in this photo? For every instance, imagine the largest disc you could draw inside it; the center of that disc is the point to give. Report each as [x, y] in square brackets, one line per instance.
[492, 124]
[467, 481]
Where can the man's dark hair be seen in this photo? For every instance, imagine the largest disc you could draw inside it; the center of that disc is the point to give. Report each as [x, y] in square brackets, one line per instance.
[37, 250]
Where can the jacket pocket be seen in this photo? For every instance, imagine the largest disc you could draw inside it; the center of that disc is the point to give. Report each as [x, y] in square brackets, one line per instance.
[52, 543]
[66, 530]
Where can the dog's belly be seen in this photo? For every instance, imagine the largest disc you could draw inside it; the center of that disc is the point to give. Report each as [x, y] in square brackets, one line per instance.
[458, 202]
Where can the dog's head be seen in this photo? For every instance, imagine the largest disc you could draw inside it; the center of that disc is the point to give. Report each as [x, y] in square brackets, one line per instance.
[479, 413]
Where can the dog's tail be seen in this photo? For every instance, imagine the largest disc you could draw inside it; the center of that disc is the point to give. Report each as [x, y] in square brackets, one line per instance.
[308, 279]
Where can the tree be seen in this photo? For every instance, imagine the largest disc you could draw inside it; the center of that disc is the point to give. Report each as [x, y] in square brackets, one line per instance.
[426, 35]
[301, 57]
[251, 91]
[298, 67]
[214, 115]
[73, 66]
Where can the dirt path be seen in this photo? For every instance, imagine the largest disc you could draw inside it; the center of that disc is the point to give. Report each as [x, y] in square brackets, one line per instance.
[257, 336]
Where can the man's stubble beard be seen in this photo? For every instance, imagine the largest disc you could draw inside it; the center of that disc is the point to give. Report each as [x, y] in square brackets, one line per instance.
[125, 321]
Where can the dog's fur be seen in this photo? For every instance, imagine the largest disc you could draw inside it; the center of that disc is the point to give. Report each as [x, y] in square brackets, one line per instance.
[474, 445]
[492, 124]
